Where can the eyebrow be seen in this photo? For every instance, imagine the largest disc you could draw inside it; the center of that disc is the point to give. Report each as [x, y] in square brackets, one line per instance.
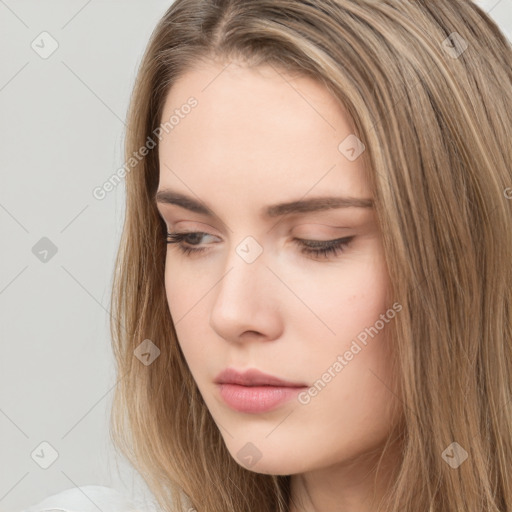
[302, 206]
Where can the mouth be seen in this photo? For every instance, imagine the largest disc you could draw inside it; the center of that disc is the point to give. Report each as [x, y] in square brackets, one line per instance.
[253, 377]
[254, 391]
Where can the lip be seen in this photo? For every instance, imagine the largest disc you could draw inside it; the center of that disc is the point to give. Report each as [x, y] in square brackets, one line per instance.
[253, 391]
[253, 377]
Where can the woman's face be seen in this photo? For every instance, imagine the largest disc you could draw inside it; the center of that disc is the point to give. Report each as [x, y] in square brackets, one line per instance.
[253, 298]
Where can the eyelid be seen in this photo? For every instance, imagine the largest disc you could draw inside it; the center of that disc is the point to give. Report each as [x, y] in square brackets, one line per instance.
[294, 225]
[307, 237]
[316, 249]
[171, 225]
[355, 219]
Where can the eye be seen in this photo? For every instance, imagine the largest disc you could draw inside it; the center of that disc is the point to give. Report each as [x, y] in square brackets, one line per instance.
[178, 238]
[318, 248]
[324, 249]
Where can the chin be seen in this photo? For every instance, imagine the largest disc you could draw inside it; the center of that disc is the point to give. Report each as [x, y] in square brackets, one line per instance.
[269, 460]
[272, 468]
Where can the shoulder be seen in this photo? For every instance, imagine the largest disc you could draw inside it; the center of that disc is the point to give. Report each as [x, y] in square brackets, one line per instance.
[89, 498]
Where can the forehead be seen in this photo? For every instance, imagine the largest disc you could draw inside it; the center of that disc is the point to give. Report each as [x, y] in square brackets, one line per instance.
[256, 131]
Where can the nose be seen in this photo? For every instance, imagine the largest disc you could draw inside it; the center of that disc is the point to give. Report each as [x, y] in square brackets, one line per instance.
[246, 304]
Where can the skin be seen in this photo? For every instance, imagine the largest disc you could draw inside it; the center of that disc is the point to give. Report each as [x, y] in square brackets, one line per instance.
[259, 137]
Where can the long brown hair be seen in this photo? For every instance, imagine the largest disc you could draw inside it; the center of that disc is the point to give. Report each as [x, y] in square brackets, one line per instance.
[429, 87]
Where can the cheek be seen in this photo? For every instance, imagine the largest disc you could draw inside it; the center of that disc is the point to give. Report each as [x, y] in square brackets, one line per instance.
[187, 299]
[343, 300]
[350, 326]
[181, 296]
[186, 286]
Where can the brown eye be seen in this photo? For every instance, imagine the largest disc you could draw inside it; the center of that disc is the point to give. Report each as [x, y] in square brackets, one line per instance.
[318, 248]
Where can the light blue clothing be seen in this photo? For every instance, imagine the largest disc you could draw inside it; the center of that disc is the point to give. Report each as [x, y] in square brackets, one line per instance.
[89, 498]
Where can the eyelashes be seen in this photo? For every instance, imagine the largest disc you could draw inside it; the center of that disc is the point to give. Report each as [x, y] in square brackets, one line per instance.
[323, 249]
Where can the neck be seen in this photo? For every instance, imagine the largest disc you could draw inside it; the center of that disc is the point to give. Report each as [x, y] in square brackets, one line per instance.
[351, 486]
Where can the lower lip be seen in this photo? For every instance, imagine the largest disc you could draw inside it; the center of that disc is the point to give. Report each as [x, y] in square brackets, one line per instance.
[256, 399]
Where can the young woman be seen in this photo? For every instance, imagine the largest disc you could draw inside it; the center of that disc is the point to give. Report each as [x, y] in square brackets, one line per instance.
[312, 309]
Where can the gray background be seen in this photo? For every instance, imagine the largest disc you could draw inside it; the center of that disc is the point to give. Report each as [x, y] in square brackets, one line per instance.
[62, 128]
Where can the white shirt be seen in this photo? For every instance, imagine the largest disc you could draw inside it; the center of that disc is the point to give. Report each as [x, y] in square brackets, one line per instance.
[89, 498]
